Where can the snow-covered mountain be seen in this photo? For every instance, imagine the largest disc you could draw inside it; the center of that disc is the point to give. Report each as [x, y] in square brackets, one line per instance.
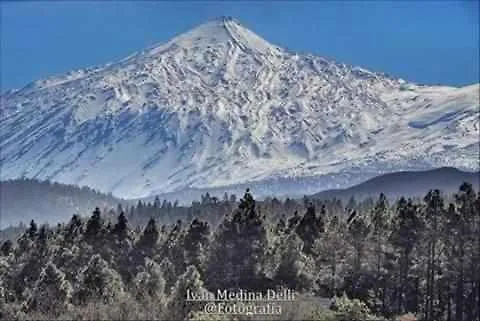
[219, 106]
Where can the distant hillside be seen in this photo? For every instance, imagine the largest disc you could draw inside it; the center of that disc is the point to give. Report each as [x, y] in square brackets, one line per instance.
[27, 199]
[409, 184]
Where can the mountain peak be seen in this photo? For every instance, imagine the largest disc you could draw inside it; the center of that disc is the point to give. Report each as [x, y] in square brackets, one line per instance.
[220, 106]
[220, 31]
[225, 19]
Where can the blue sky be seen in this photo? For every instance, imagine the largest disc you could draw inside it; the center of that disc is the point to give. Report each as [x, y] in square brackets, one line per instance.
[425, 41]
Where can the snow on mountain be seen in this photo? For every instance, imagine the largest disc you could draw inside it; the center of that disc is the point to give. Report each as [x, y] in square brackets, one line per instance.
[220, 106]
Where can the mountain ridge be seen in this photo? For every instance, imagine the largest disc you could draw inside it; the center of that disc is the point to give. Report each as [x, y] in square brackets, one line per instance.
[219, 105]
[49, 202]
[407, 184]
[23, 200]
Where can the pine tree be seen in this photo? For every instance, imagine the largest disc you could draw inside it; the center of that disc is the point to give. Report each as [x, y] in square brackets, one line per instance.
[32, 231]
[178, 307]
[6, 248]
[476, 232]
[97, 281]
[239, 253]
[453, 230]
[94, 225]
[149, 284]
[295, 269]
[309, 228]
[359, 231]
[281, 226]
[379, 229]
[434, 210]
[467, 222]
[173, 247]
[42, 240]
[156, 202]
[4, 315]
[168, 272]
[121, 227]
[73, 229]
[196, 244]
[293, 221]
[404, 238]
[145, 247]
[150, 235]
[52, 293]
[330, 251]
[35, 256]
[164, 204]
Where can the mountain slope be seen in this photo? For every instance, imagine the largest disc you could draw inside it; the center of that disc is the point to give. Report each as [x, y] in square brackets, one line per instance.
[25, 199]
[408, 184]
[219, 106]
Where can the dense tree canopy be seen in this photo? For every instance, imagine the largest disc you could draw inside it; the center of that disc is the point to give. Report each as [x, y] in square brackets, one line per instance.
[374, 258]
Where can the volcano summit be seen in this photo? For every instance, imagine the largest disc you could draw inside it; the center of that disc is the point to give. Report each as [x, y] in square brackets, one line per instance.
[220, 106]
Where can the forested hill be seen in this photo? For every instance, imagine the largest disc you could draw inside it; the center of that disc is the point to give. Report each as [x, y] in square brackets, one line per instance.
[44, 201]
[378, 263]
[407, 183]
